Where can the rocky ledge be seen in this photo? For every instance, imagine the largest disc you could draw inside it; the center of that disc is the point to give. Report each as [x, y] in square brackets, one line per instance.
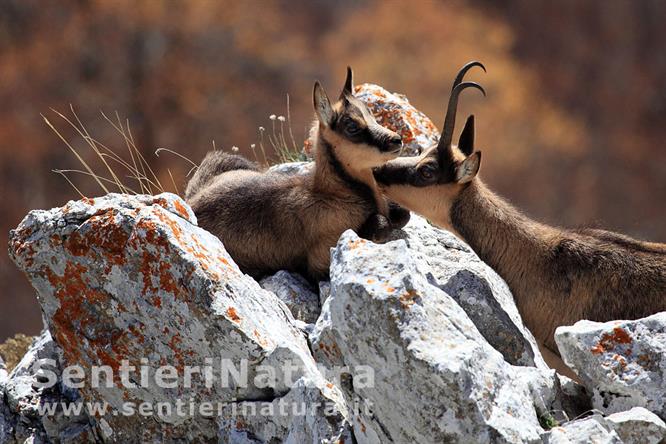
[153, 331]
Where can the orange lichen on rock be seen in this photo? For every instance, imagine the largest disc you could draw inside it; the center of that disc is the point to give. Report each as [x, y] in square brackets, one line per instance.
[174, 345]
[394, 111]
[76, 312]
[407, 299]
[331, 351]
[126, 281]
[103, 234]
[609, 341]
[180, 209]
[25, 251]
[231, 312]
[356, 243]
[162, 202]
[262, 341]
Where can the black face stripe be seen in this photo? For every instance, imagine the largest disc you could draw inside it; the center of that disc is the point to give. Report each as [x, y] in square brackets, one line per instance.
[391, 174]
[359, 188]
[369, 132]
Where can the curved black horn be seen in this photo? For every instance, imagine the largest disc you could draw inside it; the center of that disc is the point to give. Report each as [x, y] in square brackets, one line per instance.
[450, 120]
[463, 71]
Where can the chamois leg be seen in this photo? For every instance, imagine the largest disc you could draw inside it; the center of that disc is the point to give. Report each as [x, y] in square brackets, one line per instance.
[214, 164]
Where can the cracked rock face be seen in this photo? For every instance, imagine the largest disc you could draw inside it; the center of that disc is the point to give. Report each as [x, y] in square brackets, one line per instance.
[3, 373]
[132, 281]
[635, 426]
[622, 363]
[594, 429]
[297, 294]
[415, 340]
[306, 414]
[436, 378]
[452, 266]
[20, 417]
[638, 425]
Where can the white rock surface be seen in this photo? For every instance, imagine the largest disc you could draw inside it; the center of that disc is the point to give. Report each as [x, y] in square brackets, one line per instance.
[593, 429]
[480, 291]
[133, 278]
[292, 168]
[296, 292]
[635, 426]
[3, 373]
[324, 340]
[623, 363]
[436, 379]
[20, 416]
[638, 426]
[416, 339]
[306, 414]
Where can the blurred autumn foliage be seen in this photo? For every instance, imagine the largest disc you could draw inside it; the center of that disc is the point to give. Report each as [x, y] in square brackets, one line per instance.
[571, 130]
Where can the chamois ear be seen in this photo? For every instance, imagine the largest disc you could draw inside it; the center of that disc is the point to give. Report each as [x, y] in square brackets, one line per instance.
[348, 89]
[469, 167]
[466, 141]
[322, 105]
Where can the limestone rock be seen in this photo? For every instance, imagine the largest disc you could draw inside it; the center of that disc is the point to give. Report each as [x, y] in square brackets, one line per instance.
[31, 412]
[3, 374]
[435, 377]
[415, 340]
[7, 424]
[623, 363]
[593, 429]
[307, 414]
[291, 168]
[393, 111]
[324, 339]
[638, 426]
[132, 281]
[297, 294]
[635, 426]
[479, 290]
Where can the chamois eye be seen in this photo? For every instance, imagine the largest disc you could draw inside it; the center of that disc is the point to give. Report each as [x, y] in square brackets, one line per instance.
[352, 127]
[426, 172]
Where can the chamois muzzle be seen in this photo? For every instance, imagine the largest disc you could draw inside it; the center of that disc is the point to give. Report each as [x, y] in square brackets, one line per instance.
[393, 145]
[385, 140]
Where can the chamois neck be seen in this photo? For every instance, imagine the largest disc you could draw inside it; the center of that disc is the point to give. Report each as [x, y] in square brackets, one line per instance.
[498, 233]
[333, 176]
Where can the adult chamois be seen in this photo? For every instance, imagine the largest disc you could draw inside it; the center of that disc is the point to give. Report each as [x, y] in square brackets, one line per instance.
[270, 221]
[557, 276]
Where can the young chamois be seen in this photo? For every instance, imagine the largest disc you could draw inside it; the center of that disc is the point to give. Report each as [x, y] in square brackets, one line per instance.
[557, 276]
[270, 221]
